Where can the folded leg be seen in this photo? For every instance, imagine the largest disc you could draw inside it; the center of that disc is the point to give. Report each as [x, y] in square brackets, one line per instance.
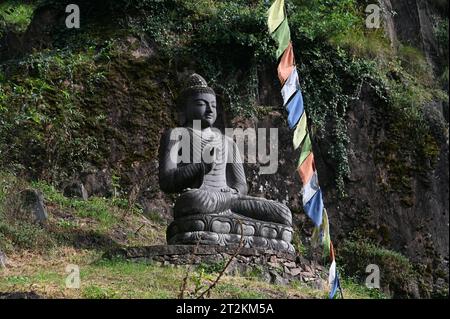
[262, 209]
[199, 201]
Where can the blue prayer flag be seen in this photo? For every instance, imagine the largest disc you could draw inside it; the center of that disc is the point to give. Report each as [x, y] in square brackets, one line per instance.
[314, 208]
[335, 286]
[295, 109]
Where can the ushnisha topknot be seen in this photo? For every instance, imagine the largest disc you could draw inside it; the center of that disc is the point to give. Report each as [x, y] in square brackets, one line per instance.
[195, 83]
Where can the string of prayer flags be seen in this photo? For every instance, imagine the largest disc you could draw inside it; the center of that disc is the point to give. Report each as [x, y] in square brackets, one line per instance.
[311, 192]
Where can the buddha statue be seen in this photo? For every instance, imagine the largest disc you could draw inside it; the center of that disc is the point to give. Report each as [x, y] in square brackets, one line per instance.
[213, 207]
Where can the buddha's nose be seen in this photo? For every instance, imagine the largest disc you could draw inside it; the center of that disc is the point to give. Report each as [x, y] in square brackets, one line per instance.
[209, 111]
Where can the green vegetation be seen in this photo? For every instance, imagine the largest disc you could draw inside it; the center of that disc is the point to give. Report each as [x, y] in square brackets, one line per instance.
[397, 273]
[15, 15]
[212, 267]
[97, 223]
[95, 208]
[352, 285]
[45, 115]
[323, 19]
[16, 228]
[53, 105]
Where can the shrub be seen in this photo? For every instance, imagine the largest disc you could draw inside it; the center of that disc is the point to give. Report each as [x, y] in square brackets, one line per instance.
[18, 230]
[397, 273]
[323, 19]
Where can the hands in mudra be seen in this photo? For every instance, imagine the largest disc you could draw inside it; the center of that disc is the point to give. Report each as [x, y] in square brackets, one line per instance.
[209, 158]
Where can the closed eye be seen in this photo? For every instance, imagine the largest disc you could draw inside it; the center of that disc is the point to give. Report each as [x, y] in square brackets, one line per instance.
[204, 103]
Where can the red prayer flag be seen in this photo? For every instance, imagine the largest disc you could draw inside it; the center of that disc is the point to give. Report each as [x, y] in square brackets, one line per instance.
[307, 169]
[287, 64]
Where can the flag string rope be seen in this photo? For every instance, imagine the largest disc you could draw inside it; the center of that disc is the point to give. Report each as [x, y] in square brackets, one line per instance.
[311, 192]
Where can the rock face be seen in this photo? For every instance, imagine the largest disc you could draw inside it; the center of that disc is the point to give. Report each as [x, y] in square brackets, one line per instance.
[413, 221]
[98, 183]
[410, 22]
[3, 260]
[77, 190]
[33, 203]
[411, 225]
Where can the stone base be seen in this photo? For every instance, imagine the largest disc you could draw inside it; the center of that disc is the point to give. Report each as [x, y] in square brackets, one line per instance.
[276, 267]
[225, 229]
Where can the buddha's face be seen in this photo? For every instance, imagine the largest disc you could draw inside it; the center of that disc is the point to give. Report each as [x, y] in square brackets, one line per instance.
[201, 106]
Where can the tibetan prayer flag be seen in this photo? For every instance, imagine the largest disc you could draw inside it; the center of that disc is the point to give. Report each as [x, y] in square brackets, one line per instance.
[316, 236]
[310, 189]
[300, 132]
[295, 109]
[326, 233]
[291, 86]
[333, 279]
[293, 102]
[314, 208]
[306, 170]
[306, 150]
[332, 255]
[282, 36]
[287, 64]
[276, 15]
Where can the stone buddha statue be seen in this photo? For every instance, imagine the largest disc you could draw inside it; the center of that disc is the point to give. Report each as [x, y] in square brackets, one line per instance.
[205, 168]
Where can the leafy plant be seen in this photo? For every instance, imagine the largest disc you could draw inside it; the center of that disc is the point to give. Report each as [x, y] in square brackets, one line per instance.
[15, 16]
[397, 272]
[42, 123]
[323, 19]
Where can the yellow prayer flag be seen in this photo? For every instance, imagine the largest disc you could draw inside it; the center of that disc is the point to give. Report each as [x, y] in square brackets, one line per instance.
[306, 150]
[282, 36]
[276, 15]
[300, 131]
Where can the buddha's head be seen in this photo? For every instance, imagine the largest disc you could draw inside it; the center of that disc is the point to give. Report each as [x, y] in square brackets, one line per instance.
[198, 102]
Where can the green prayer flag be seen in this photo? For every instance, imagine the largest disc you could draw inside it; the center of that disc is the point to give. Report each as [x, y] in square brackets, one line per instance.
[315, 237]
[306, 150]
[326, 234]
[300, 131]
[276, 15]
[282, 36]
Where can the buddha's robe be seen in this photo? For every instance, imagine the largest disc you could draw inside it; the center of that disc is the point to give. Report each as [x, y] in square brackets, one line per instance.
[218, 187]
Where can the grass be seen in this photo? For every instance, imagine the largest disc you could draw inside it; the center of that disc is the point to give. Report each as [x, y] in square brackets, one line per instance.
[414, 61]
[358, 291]
[95, 222]
[100, 279]
[361, 43]
[78, 233]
